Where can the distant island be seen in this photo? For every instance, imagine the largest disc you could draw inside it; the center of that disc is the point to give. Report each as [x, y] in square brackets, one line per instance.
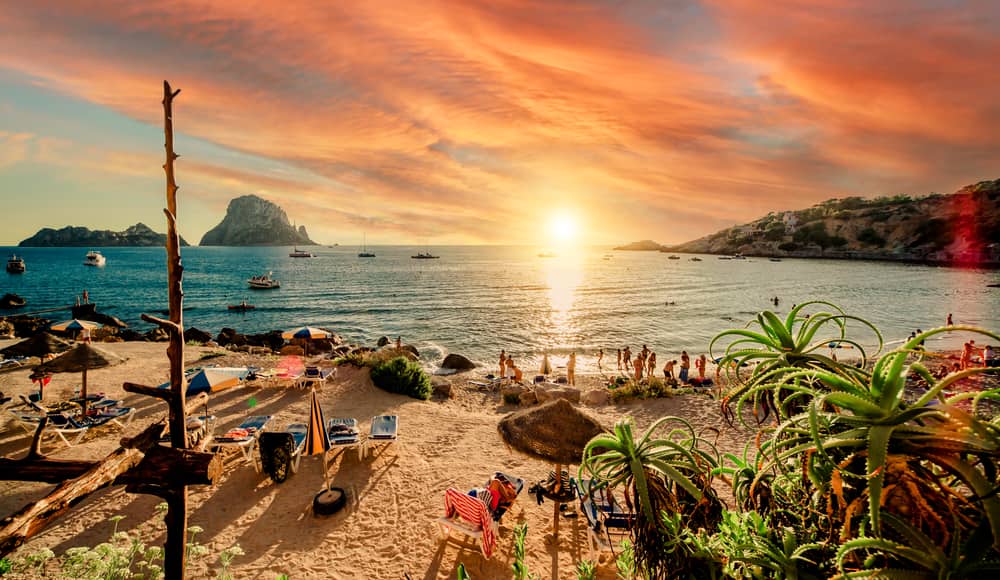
[641, 246]
[74, 236]
[254, 221]
[962, 228]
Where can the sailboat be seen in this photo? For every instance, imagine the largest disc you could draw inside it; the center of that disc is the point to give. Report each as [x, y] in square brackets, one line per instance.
[364, 253]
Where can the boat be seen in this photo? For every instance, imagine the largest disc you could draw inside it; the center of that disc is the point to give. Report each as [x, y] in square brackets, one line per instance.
[242, 306]
[94, 258]
[695, 259]
[739, 257]
[674, 257]
[725, 258]
[775, 259]
[364, 253]
[15, 265]
[424, 256]
[263, 282]
[297, 253]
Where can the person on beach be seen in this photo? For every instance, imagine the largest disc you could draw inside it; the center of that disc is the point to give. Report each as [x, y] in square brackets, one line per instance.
[399, 343]
[85, 334]
[510, 367]
[600, 357]
[619, 360]
[949, 323]
[775, 300]
[966, 356]
[644, 352]
[518, 375]
[700, 364]
[989, 357]
[920, 345]
[668, 369]
[571, 369]
[651, 364]
[503, 362]
[86, 296]
[638, 366]
[685, 367]
[627, 359]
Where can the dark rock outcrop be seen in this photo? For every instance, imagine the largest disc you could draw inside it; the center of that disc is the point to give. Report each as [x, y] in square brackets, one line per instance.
[253, 221]
[382, 341]
[195, 335]
[89, 312]
[457, 362]
[25, 326]
[229, 336]
[10, 301]
[74, 236]
[641, 246]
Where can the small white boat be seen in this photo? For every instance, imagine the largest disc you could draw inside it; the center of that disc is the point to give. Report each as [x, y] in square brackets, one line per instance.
[94, 258]
[263, 282]
[297, 253]
[15, 265]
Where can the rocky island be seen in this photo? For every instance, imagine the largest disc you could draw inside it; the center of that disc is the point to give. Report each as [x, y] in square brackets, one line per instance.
[962, 228]
[73, 236]
[254, 221]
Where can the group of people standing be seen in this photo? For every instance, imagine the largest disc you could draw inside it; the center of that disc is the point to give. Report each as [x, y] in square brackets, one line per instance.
[988, 358]
[644, 364]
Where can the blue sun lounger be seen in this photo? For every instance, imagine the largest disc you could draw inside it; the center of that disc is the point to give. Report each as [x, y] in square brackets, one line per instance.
[344, 434]
[280, 451]
[384, 430]
[244, 437]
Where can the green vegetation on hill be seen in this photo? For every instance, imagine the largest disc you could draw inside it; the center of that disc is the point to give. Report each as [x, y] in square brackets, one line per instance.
[963, 227]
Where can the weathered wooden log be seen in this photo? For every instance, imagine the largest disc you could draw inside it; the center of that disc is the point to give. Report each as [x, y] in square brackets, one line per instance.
[170, 467]
[43, 470]
[33, 518]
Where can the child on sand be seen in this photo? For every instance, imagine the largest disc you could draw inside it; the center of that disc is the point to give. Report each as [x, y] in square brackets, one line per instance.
[699, 364]
[571, 369]
[503, 362]
[639, 365]
[651, 364]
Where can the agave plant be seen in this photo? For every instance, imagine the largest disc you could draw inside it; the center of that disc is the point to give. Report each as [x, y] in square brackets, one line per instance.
[776, 347]
[667, 473]
[868, 453]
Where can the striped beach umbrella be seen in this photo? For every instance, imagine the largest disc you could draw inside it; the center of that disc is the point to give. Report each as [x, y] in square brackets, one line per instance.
[74, 324]
[317, 437]
[305, 333]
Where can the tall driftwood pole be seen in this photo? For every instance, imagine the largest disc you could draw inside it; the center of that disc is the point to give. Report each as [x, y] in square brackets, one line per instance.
[176, 495]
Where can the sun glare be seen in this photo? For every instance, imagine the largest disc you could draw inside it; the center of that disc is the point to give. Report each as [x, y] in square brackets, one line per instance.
[563, 228]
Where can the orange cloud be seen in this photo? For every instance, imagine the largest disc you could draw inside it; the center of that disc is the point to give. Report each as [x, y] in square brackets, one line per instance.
[459, 121]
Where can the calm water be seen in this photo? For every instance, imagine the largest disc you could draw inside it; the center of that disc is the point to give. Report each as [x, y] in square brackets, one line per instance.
[477, 300]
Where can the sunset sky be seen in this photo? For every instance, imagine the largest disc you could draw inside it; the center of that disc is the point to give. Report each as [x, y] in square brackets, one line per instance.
[452, 122]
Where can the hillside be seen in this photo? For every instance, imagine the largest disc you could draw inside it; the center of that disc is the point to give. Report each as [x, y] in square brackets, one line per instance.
[960, 228]
[74, 236]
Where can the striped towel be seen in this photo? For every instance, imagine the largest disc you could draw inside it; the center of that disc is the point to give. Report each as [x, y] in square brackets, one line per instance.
[475, 512]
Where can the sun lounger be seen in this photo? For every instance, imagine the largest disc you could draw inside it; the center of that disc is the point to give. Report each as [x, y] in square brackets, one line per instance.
[313, 376]
[384, 430]
[607, 522]
[199, 430]
[243, 438]
[344, 434]
[477, 514]
[281, 451]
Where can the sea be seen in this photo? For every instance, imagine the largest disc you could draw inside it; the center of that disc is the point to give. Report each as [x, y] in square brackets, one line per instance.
[477, 300]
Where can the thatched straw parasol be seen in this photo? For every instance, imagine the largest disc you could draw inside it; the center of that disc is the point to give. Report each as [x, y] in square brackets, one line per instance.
[556, 432]
[81, 358]
[39, 345]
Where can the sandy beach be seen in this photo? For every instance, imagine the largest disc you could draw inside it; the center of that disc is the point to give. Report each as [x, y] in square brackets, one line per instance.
[388, 529]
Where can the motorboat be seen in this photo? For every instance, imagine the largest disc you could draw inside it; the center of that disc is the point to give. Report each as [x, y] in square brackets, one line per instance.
[94, 258]
[263, 282]
[242, 306]
[775, 259]
[424, 256]
[297, 253]
[695, 259]
[739, 257]
[15, 265]
[673, 257]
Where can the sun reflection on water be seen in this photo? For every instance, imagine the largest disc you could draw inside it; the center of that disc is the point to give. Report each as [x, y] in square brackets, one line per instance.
[563, 275]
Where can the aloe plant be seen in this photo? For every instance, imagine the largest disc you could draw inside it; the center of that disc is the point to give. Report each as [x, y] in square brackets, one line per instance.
[670, 472]
[776, 347]
[870, 453]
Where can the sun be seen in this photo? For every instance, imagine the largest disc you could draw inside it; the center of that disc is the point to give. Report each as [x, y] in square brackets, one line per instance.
[563, 228]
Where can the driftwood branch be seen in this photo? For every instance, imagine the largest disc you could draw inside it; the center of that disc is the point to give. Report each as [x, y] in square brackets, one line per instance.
[169, 467]
[169, 326]
[35, 451]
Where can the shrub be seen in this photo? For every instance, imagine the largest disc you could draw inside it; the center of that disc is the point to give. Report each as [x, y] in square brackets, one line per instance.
[355, 358]
[870, 236]
[400, 375]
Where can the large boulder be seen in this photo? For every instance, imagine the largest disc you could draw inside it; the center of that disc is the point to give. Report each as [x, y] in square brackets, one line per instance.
[442, 388]
[195, 335]
[549, 391]
[292, 350]
[156, 335]
[457, 362]
[228, 336]
[271, 340]
[512, 392]
[382, 341]
[128, 334]
[595, 397]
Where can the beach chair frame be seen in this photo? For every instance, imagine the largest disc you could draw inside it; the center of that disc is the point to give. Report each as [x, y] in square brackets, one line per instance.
[245, 446]
[353, 440]
[384, 431]
[604, 516]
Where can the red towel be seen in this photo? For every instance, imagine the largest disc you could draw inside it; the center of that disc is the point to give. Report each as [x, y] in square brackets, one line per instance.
[475, 512]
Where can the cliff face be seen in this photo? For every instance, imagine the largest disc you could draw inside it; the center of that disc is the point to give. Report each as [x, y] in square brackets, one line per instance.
[252, 221]
[138, 235]
[961, 228]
